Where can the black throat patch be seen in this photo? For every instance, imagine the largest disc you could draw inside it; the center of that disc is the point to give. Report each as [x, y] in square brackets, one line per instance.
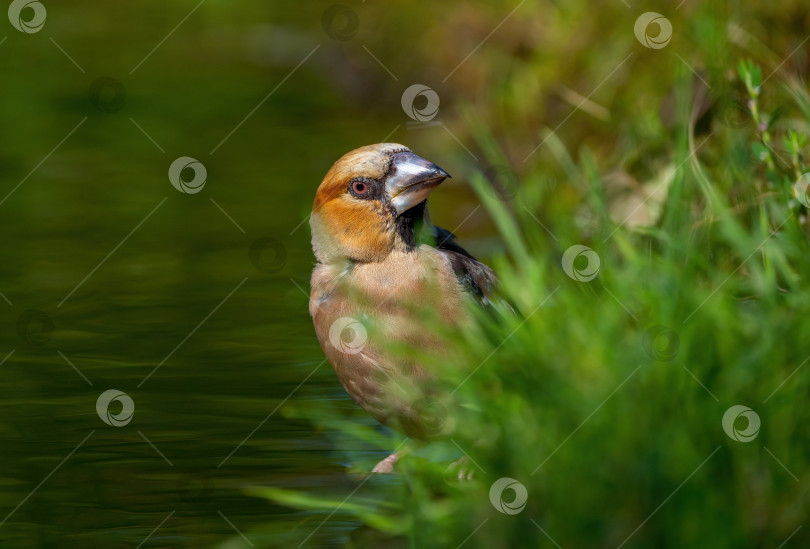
[409, 223]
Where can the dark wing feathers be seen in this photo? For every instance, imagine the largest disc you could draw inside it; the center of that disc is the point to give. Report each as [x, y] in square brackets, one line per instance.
[479, 279]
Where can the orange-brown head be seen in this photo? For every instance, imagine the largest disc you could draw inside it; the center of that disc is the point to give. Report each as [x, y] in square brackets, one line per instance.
[367, 203]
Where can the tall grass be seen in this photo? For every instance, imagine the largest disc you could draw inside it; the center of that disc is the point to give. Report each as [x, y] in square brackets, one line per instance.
[605, 396]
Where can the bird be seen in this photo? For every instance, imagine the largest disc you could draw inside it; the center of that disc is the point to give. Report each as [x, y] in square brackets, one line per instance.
[382, 268]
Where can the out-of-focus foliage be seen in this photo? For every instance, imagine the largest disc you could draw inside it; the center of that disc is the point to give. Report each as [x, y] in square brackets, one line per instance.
[605, 396]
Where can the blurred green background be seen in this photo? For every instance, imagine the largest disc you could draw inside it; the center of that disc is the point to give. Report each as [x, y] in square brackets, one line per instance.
[195, 305]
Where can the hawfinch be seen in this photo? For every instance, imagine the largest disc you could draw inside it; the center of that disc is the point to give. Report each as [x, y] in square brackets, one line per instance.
[383, 273]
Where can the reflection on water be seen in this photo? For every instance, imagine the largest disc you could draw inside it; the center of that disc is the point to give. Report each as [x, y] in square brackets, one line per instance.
[202, 360]
[180, 294]
[192, 368]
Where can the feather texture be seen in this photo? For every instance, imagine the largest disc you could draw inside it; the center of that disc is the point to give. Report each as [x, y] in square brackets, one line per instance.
[384, 275]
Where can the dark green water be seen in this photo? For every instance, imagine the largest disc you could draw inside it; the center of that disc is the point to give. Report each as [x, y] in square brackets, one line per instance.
[192, 305]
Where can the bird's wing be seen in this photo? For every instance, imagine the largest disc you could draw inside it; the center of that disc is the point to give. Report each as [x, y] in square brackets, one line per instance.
[476, 277]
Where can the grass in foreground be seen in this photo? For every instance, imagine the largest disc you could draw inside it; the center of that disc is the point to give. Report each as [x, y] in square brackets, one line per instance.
[604, 399]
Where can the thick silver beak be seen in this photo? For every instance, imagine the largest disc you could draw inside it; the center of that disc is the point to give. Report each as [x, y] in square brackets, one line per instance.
[411, 179]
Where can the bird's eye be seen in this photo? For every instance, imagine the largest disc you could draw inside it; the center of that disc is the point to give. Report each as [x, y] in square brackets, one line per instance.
[359, 187]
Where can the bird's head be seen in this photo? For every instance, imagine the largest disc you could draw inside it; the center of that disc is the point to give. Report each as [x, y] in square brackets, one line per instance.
[369, 201]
